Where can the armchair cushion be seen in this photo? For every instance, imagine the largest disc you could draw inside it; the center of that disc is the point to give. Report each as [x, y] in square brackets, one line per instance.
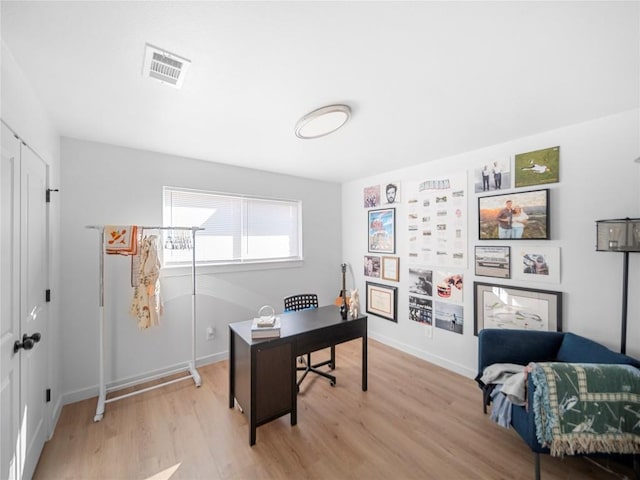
[516, 346]
[577, 349]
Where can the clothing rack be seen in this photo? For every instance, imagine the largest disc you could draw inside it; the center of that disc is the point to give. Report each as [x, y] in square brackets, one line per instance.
[191, 365]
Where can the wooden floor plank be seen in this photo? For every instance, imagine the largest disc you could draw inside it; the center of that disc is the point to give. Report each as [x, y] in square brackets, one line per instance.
[416, 421]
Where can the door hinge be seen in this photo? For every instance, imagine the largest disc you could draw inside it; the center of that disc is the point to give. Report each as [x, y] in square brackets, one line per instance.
[49, 190]
[47, 295]
[48, 395]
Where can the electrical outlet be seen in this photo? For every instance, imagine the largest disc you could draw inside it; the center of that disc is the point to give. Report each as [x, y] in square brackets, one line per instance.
[211, 333]
[428, 331]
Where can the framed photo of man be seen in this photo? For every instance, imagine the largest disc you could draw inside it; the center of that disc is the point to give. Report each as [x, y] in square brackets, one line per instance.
[514, 216]
[391, 192]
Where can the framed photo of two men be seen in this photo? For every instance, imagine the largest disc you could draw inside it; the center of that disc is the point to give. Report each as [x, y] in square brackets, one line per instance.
[514, 216]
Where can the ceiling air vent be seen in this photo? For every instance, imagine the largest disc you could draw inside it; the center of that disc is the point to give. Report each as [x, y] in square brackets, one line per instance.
[165, 67]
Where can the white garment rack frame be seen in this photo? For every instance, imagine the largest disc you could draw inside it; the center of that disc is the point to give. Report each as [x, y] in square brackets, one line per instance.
[191, 365]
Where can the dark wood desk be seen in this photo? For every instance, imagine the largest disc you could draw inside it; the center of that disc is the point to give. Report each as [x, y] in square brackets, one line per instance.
[262, 373]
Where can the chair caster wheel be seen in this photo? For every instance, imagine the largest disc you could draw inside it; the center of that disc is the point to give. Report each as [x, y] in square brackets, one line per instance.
[333, 384]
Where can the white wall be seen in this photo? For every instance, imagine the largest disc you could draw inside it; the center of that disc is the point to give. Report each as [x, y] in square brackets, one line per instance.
[104, 184]
[598, 180]
[22, 112]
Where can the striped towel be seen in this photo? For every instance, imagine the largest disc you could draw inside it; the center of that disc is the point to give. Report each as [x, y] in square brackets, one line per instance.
[121, 239]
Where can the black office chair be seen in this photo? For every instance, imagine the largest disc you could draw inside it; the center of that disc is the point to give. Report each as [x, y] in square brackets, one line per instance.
[302, 302]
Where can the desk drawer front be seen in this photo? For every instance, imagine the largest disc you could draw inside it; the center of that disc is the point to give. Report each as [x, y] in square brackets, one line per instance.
[326, 337]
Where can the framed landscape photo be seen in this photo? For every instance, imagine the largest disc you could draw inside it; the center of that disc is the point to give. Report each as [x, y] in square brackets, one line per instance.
[382, 300]
[507, 307]
[390, 268]
[538, 167]
[514, 216]
[382, 230]
[493, 261]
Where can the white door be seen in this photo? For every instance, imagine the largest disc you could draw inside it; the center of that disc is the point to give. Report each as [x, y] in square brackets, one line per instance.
[34, 272]
[10, 464]
[24, 226]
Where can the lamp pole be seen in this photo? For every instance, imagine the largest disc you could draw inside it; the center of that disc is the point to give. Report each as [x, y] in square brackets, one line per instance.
[625, 285]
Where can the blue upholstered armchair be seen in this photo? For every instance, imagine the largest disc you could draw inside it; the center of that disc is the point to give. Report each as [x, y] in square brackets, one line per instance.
[522, 347]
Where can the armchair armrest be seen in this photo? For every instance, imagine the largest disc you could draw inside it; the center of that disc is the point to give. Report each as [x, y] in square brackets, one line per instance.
[516, 346]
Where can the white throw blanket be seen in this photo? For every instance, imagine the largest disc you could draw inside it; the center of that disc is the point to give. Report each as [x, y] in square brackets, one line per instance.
[511, 376]
[510, 380]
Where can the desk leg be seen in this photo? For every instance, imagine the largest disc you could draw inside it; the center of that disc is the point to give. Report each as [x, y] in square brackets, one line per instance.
[253, 415]
[364, 362]
[252, 435]
[232, 373]
[332, 365]
[294, 391]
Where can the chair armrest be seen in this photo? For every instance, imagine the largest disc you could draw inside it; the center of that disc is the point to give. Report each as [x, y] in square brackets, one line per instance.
[516, 346]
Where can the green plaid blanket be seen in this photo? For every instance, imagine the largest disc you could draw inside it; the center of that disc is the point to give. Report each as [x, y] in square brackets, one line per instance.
[587, 408]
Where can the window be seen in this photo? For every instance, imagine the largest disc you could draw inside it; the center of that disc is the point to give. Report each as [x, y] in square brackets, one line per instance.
[237, 228]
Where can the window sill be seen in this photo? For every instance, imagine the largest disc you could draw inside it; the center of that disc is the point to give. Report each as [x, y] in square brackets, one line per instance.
[210, 269]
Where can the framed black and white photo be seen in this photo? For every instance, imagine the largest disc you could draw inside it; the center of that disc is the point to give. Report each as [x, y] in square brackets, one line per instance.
[390, 192]
[421, 309]
[421, 280]
[507, 307]
[382, 230]
[449, 316]
[382, 300]
[493, 261]
[372, 266]
[514, 216]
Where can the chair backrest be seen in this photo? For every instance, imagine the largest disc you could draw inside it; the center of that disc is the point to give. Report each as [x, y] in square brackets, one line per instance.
[300, 302]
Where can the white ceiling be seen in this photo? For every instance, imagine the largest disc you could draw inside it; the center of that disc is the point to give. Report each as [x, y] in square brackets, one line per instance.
[425, 80]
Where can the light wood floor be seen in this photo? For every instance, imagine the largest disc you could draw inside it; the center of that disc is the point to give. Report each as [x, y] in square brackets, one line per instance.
[417, 421]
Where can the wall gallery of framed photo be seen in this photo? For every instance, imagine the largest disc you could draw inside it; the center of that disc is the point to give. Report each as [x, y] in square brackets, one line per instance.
[437, 251]
[521, 214]
[381, 262]
[435, 218]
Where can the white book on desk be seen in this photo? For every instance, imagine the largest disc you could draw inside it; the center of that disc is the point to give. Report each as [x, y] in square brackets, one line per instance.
[259, 331]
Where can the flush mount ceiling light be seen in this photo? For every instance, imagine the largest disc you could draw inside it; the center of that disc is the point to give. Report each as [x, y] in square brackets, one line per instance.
[322, 121]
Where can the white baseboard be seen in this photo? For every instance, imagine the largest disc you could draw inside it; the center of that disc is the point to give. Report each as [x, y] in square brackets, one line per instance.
[55, 412]
[424, 355]
[93, 391]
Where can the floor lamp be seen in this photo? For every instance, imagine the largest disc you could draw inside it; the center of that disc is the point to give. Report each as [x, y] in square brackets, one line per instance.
[620, 235]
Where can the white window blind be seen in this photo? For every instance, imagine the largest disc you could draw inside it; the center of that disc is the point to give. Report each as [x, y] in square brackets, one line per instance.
[237, 229]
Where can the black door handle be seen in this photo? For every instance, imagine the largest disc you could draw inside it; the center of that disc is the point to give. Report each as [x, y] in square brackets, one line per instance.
[28, 342]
